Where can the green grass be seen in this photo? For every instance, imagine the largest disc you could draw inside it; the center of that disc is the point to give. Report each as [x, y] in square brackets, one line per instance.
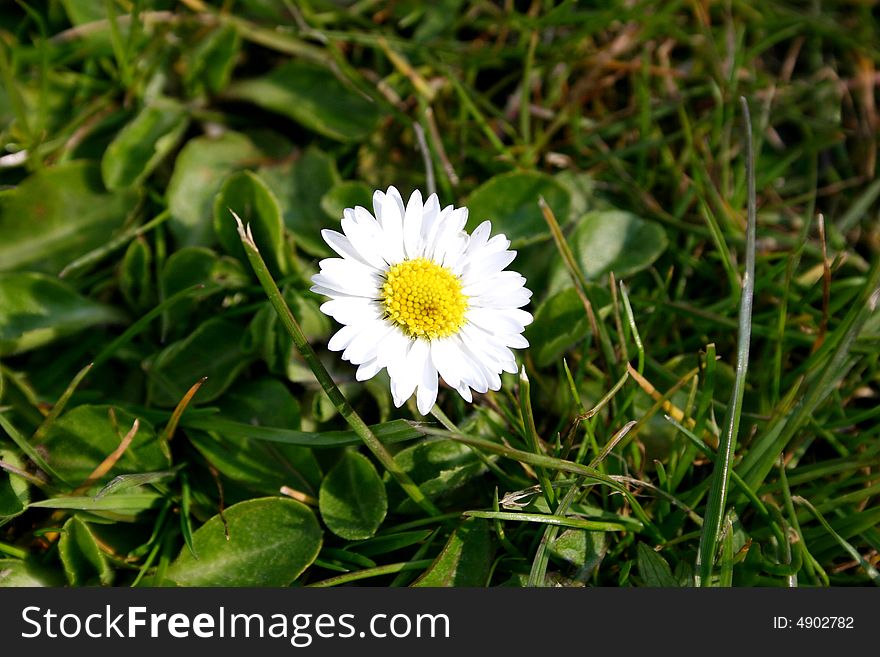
[698, 405]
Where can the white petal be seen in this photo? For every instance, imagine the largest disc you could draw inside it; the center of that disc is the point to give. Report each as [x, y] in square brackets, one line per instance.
[412, 226]
[500, 300]
[364, 219]
[406, 375]
[446, 357]
[479, 237]
[493, 320]
[337, 294]
[348, 277]
[378, 205]
[365, 236]
[505, 280]
[427, 391]
[394, 348]
[494, 245]
[392, 226]
[343, 338]
[516, 341]
[351, 310]
[452, 240]
[485, 364]
[342, 245]
[430, 214]
[465, 392]
[491, 264]
[476, 374]
[367, 370]
[365, 346]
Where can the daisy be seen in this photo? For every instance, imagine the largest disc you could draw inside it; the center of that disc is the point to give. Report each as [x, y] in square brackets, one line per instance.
[418, 296]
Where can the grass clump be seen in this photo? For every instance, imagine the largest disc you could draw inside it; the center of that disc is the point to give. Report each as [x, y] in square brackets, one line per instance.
[699, 401]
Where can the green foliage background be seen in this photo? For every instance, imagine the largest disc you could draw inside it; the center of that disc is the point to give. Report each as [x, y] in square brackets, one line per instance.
[197, 448]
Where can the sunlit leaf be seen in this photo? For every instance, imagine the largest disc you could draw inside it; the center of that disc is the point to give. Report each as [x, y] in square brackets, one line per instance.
[353, 501]
[272, 540]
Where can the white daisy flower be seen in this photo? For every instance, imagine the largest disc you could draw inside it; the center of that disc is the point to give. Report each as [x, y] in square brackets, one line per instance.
[420, 297]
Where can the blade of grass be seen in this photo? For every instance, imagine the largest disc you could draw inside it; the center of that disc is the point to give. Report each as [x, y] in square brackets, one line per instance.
[631, 320]
[168, 432]
[872, 572]
[556, 521]
[388, 432]
[580, 284]
[113, 244]
[725, 577]
[59, 406]
[549, 462]
[831, 363]
[126, 481]
[531, 433]
[715, 505]
[185, 522]
[378, 571]
[699, 445]
[29, 450]
[107, 464]
[537, 575]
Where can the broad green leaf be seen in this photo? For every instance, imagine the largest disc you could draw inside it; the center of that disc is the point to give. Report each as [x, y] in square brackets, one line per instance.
[195, 265]
[79, 440]
[560, 322]
[14, 492]
[199, 171]
[267, 339]
[262, 402]
[272, 540]
[465, 560]
[583, 549]
[440, 468]
[18, 573]
[136, 276]
[312, 96]
[248, 196]
[352, 499]
[299, 187]
[210, 62]
[58, 214]
[347, 194]
[582, 188]
[653, 568]
[143, 143]
[213, 350]
[614, 241]
[510, 202]
[36, 309]
[83, 562]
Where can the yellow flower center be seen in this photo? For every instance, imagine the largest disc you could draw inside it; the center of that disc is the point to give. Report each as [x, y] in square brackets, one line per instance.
[424, 299]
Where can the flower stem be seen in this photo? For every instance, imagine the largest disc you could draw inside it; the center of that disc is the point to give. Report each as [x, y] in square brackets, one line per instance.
[323, 376]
